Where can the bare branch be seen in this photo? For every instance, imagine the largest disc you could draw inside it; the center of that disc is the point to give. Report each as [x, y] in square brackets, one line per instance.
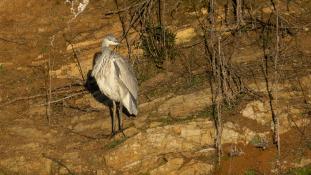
[76, 57]
[67, 97]
[10, 41]
[118, 11]
[54, 92]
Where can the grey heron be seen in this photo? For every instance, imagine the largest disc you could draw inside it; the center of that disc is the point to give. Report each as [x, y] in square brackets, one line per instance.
[116, 79]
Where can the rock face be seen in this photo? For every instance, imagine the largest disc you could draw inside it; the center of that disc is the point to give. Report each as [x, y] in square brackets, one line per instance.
[170, 166]
[178, 167]
[195, 168]
[257, 111]
[162, 149]
[168, 137]
[184, 105]
[161, 140]
[149, 147]
[232, 133]
[289, 117]
[185, 35]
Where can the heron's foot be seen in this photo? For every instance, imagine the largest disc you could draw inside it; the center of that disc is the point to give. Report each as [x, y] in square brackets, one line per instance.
[133, 116]
[102, 136]
[113, 134]
[122, 131]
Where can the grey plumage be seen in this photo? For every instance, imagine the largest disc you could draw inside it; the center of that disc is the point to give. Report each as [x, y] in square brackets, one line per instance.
[116, 79]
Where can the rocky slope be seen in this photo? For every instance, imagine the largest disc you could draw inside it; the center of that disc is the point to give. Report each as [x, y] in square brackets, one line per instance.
[174, 132]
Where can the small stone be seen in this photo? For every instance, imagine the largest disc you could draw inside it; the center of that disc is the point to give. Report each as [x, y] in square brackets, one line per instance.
[155, 124]
[129, 132]
[267, 10]
[185, 35]
[101, 172]
[204, 11]
[257, 111]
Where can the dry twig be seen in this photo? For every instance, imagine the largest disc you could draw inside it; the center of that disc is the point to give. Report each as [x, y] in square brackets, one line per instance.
[76, 58]
[56, 91]
[64, 98]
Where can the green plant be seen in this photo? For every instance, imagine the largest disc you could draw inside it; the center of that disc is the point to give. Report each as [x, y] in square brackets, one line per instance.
[146, 173]
[6, 171]
[250, 172]
[158, 44]
[115, 143]
[167, 120]
[300, 171]
[1, 68]
[144, 69]
[206, 112]
[259, 142]
[44, 49]
[308, 143]
[256, 140]
[195, 81]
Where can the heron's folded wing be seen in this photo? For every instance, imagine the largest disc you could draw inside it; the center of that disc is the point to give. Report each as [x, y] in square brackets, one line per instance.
[97, 64]
[127, 75]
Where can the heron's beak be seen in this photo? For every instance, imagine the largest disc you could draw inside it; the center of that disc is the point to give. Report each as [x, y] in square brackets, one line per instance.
[116, 46]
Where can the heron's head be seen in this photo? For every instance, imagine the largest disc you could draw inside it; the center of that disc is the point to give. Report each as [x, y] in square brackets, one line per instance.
[110, 40]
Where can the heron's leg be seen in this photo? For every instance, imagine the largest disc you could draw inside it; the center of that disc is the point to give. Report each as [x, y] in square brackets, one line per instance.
[114, 110]
[120, 117]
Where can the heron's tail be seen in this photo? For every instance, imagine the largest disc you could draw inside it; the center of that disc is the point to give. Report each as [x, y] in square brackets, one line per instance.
[130, 103]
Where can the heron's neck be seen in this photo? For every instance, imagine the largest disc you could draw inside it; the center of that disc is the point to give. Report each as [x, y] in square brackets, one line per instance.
[105, 48]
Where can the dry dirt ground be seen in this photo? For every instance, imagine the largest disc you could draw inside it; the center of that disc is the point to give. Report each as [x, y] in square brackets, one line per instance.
[174, 131]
